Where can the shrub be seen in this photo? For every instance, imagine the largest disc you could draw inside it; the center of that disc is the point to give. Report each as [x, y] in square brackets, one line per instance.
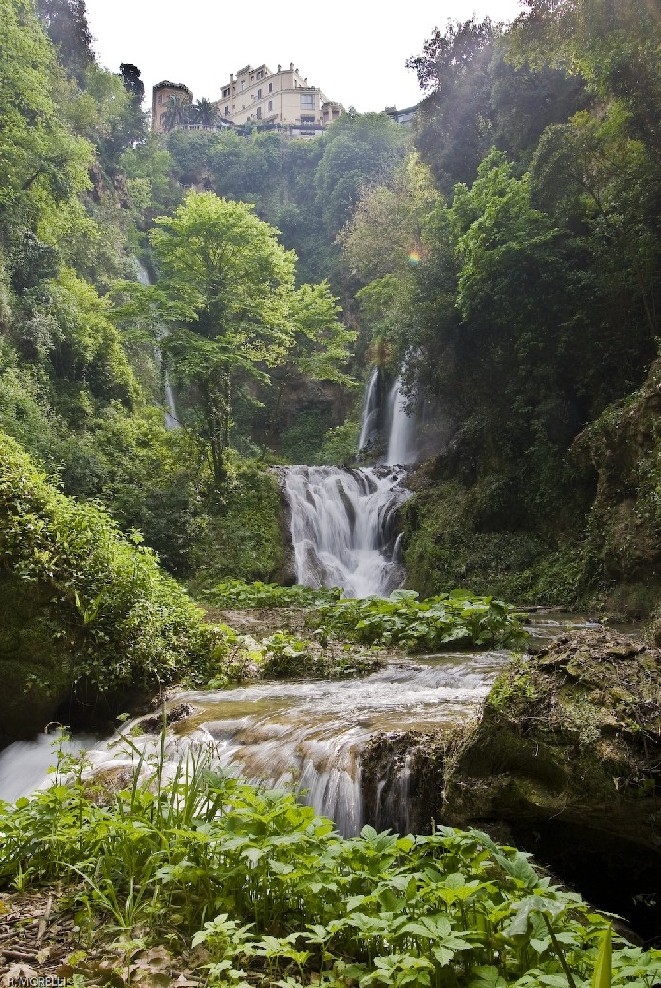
[120, 621]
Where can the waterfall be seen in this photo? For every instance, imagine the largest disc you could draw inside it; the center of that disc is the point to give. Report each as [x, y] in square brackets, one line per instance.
[356, 750]
[342, 527]
[371, 412]
[401, 439]
[171, 420]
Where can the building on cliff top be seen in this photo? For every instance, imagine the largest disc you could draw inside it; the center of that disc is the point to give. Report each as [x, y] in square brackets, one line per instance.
[281, 99]
[161, 95]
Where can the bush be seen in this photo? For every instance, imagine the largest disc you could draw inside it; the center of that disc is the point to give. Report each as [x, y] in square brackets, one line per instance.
[120, 621]
[450, 620]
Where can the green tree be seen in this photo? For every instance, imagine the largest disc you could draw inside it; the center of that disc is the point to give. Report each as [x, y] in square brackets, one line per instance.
[360, 149]
[177, 112]
[205, 113]
[66, 24]
[227, 289]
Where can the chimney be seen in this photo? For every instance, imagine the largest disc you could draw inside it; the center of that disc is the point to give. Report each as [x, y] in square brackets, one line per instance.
[231, 77]
[279, 68]
[291, 66]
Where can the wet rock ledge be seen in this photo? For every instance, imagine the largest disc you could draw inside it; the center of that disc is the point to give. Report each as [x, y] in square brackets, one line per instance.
[572, 733]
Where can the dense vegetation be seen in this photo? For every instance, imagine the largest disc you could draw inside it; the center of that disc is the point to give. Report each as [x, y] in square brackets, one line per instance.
[506, 252]
[278, 898]
[530, 314]
[86, 610]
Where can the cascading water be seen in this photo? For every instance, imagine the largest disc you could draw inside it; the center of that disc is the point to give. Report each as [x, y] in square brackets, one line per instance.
[342, 522]
[342, 527]
[401, 440]
[312, 736]
[171, 420]
[369, 430]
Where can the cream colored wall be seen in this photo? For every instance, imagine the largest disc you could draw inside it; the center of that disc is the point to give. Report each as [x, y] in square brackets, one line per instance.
[287, 87]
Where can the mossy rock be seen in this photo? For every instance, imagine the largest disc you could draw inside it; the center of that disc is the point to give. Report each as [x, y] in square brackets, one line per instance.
[571, 733]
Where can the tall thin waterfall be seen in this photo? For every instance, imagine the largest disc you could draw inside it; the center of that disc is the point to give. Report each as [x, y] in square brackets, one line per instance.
[342, 527]
[401, 439]
[171, 420]
[370, 419]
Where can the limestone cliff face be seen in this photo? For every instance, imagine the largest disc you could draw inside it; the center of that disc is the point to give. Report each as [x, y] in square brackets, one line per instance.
[624, 448]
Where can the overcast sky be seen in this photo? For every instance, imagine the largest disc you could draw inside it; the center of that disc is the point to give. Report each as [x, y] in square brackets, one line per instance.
[353, 51]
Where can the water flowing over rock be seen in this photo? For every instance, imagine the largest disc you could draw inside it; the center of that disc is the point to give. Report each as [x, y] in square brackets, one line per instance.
[402, 438]
[370, 422]
[343, 527]
[356, 749]
[389, 422]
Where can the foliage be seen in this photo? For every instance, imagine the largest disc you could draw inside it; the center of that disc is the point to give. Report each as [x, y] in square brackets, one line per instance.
[286, 655]
[359, 149]
[450, 620]
[239, 594]
[66, 24]
[41, 161]
[275, 895]
[242, 537]
[227, 288]
[120, 621]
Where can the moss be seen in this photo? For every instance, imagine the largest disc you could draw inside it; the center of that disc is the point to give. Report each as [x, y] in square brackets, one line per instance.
[245, 537]
[447, 545]
[574, 731]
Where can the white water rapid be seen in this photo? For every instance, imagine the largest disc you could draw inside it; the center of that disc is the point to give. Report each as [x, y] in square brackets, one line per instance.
[342, 527]
[314, 737]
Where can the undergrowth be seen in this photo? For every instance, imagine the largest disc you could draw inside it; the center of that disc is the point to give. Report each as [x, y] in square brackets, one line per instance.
[449, 620]
[240, 594]
[277, 897]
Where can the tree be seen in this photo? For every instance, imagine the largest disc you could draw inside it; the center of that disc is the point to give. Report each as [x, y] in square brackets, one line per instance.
[132, 81]
[613, 44]
[360, 149]
[227, 291]
[205, 113]
[66, 24]
[176, 113]
[43, 166]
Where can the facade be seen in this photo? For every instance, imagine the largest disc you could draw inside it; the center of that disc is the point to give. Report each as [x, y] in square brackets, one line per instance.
[281, 99]
[161, 94]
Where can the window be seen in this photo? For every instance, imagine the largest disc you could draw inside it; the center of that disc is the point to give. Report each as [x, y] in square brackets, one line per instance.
[243, 84]
[227, 111]
[270, 105]
[270, 87]
[307, 101]
[160, 98]
[306, 119]
[259, 94]
[259, 113]
[226, 91]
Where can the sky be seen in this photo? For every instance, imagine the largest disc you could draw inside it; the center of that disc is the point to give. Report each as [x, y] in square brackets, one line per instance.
[353, 51]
